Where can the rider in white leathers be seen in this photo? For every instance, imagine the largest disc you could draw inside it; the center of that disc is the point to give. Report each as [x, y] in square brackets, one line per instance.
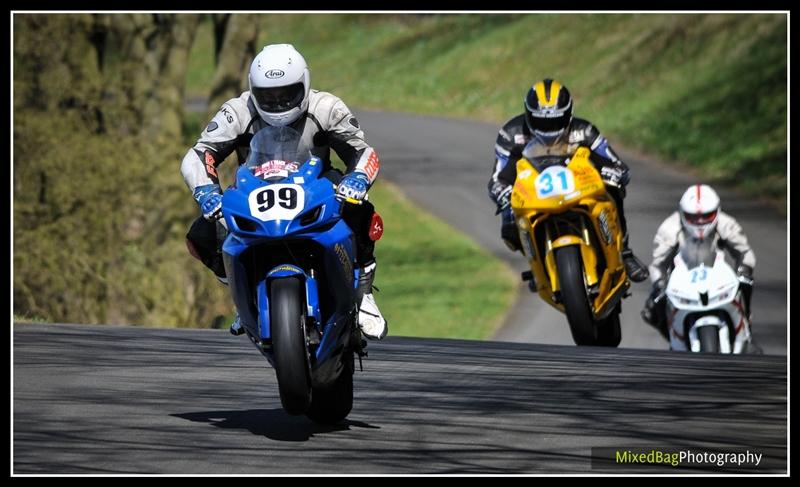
[280, 94]
[699, 217]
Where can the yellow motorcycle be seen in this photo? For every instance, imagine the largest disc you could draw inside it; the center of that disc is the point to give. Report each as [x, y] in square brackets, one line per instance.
[571, 236]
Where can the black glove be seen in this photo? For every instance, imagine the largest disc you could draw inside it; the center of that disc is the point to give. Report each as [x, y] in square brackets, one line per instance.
[745, 273]
[501, 194]
[745, 270]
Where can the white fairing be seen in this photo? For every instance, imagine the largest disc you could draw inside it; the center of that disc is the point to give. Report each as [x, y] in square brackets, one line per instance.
[686, 312]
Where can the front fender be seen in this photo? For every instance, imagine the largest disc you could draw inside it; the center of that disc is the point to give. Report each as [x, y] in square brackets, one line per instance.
[715, 321]
[588, 257]
[282, 271]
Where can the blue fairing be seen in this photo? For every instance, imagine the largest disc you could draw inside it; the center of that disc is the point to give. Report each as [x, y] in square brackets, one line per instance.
[257, 238]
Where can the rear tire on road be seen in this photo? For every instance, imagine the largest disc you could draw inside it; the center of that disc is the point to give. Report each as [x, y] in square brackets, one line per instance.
[609, 331]
[332, 404]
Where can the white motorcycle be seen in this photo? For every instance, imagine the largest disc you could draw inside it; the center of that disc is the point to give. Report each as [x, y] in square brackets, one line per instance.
[705, 305]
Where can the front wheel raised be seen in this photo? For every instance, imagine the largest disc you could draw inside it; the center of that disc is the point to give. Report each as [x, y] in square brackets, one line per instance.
[574, 297]
[287, 319]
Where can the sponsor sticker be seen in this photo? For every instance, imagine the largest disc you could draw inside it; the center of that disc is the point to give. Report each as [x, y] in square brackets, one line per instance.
[227, 114]
[344, 259]
[602, 218]
[376, 227]
[274, 73]
[211, 169]
[275, 168]
[288, 268]
[372, 166]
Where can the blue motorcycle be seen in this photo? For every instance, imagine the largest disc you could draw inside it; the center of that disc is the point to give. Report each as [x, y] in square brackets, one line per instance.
[290, 261]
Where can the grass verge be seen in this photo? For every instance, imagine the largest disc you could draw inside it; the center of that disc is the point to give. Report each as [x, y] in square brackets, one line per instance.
[704, 90]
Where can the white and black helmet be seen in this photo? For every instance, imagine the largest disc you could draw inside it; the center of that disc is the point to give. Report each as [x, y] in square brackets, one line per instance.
[279, 84]
[699, 208]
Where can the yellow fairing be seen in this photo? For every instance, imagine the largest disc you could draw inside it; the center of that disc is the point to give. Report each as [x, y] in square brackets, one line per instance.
[584, 194]
[586, 179]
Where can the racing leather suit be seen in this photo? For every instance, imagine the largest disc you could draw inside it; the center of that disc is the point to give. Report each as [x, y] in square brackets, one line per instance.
[327, 124]
[514, 136]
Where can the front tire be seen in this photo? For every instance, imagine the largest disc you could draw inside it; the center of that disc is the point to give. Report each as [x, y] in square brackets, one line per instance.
[709, 339]
[574, 297]
[292, 368]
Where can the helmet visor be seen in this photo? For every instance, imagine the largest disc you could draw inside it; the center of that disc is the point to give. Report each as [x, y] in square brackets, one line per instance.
[700, 218]
[279, 99]
[548, 124]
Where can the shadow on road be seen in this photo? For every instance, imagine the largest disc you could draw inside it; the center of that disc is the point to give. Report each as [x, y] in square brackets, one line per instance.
[272, 423]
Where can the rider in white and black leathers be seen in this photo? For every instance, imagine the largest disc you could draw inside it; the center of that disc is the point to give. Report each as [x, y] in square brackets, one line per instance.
[280, 95]
[548, 121]
[699, 217]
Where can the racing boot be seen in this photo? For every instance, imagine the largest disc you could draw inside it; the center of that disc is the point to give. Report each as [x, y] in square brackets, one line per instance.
[370, 320]
[236, 327]
[636, 270]
[654, 311]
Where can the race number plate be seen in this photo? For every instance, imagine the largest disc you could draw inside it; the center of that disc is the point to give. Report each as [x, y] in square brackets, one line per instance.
[555, 181]
[277, 202]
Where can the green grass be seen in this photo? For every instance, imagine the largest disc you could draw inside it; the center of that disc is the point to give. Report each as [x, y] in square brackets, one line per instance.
[704, 90]
[434, 281]
[24, 318]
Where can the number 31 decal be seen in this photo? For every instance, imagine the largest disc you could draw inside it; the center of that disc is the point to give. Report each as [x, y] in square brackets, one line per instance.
[554, 181]
[277, 202]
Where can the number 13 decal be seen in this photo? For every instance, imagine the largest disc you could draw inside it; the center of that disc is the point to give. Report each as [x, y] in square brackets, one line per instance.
[699, 275]
[277, 202]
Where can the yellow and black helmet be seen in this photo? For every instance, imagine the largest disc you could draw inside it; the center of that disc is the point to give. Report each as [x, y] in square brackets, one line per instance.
[548, 110]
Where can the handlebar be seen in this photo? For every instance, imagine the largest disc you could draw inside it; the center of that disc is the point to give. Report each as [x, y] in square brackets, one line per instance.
[352, 201]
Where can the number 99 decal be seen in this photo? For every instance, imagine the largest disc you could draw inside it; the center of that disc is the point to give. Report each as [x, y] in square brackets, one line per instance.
[277, 202]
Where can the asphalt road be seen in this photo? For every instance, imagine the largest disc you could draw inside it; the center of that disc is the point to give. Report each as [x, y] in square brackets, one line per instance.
[126, 400]
[444, 165]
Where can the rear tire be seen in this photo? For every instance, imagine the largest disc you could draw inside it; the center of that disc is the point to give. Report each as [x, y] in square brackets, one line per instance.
[332, 404]
[287, 319]
[609, 331]
[574, 297]
[709, 339]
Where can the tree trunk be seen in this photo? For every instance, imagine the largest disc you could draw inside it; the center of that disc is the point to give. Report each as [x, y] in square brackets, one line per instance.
[233, 61]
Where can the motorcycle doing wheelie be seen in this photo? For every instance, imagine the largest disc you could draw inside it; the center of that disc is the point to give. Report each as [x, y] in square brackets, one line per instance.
[289, 258]
[705, 305]
[570, 234]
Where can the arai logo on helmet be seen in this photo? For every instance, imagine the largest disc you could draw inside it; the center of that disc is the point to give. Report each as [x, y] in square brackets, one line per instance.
[274, 73]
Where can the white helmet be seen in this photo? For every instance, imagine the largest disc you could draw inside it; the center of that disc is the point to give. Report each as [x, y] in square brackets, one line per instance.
[699, 207]
[279, 84]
